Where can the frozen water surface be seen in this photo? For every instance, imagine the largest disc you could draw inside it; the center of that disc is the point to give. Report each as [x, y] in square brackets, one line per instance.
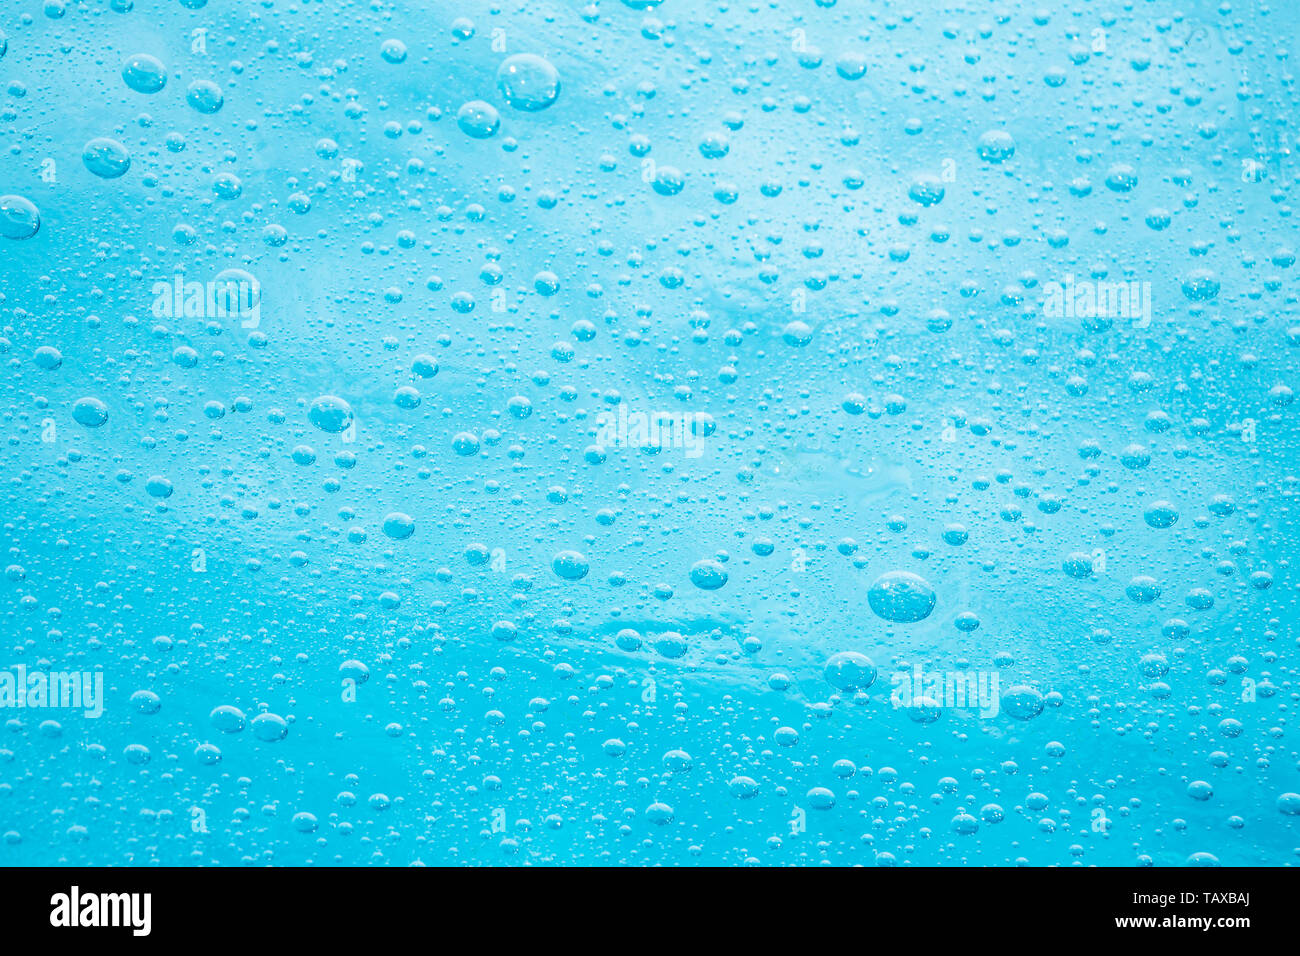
[648, 432]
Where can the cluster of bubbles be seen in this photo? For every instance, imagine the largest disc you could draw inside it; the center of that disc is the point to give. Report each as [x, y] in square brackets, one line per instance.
[632, 433]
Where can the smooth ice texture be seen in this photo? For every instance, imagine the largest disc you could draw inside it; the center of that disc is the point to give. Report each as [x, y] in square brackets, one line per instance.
[648, 432]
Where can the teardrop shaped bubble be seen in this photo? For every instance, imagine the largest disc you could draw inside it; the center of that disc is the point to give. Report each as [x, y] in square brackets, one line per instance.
[570, 565]
[668, 181]
[90, 412]
[850, 670]
[355, 671]
[1161, 514]
[797, 333]
[1022, 702]
[926, 190]
[205, 96]
[399, 526]
[1078, 564]
[227, 719]
[19, 218]
[237, 292]
[330, 413]
[144, 73]
[1200, 285]
[671, 644]
[465, 444]
[743, 788]
[996, 146]
[708, 575]
[901, 597]
[1121, 178]
[269, 727]
[1143, 589]
[478, 119]
[923, 710]
[528, 82]
[106, 158]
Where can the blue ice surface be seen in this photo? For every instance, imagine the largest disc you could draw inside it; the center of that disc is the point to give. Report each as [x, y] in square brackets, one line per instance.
[643, 433]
